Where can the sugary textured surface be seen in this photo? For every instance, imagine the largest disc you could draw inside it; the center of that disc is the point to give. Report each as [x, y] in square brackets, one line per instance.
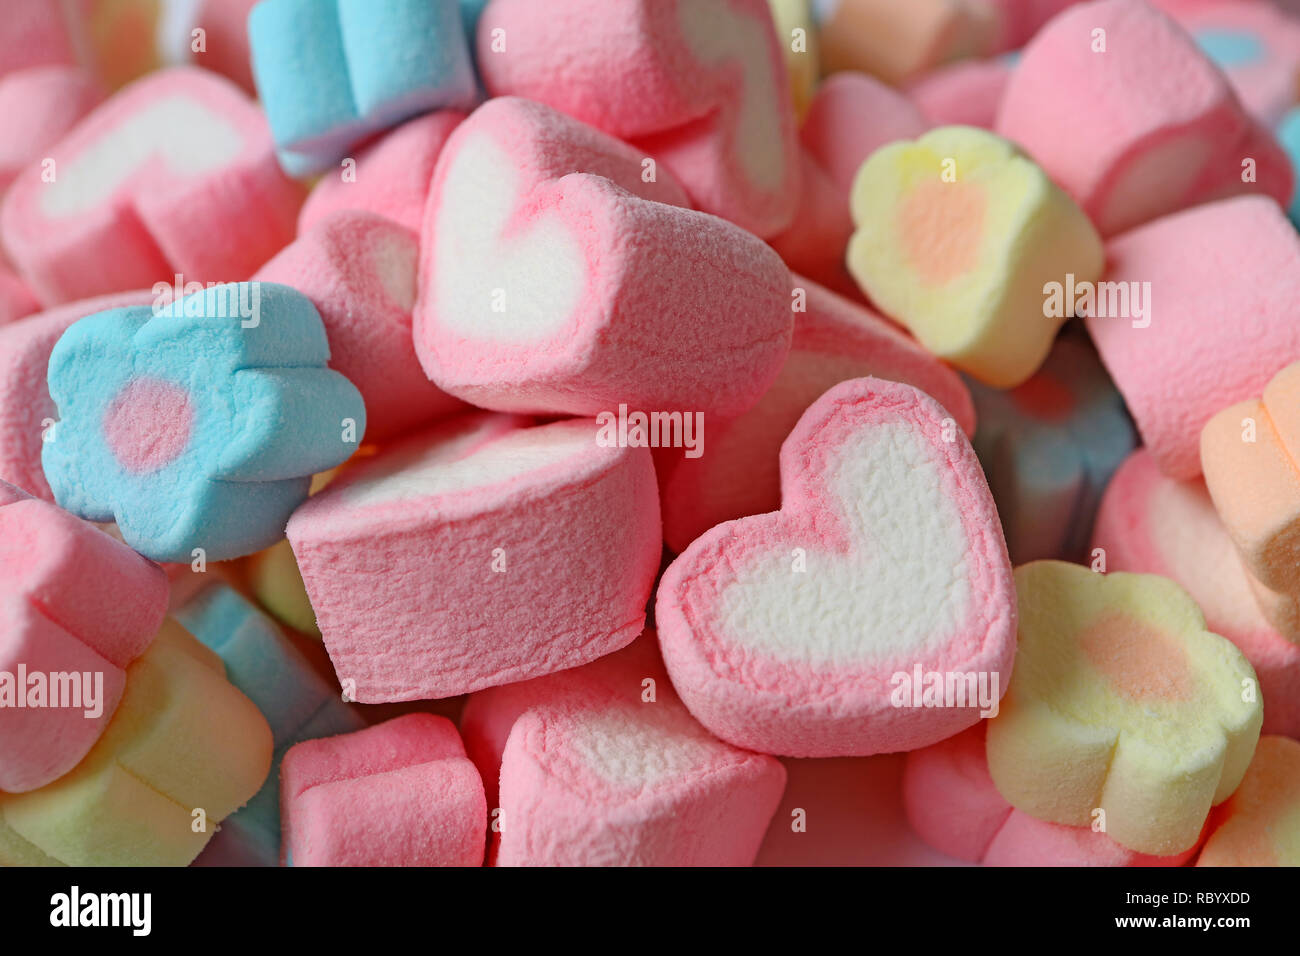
[697, 84]
[958, 236]
[851, 115]
[76, 607]
[401, 793]
[952, 803]
[27, 413]
[174, 174]
[1181, 362]
[603, 766]
[479, 553]
[1153, 524]
[1259, 825]
[1048, 448]
[1123, 703]
[185, 748]
[1123, 110]
[296, 702]
[798, 632]
[37, 108]
[198, 423]
[389, 177]
[963, 94]
[330, 74]
[360, 272]
[554, 279]
[739, 473]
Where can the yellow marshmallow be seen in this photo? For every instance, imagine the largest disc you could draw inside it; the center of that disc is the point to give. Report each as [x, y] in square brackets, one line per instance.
[1121, 702]
[182, 739]
[959, 236]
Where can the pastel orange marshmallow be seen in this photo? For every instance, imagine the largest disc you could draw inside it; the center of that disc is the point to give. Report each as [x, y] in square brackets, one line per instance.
[184, 750]
[959, 236]
[1122, 708]
[1259, 825]
[1248, 454]
[896, 41]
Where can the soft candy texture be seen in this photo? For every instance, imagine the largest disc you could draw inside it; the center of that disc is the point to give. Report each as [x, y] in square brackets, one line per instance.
[697, 84]
[274, 579]
[479, 553]
[1257, 47]
[897, 41]
[72, 601]
[850, 117]
[174, 174]
[390, 177]
[952, 803]
[788, 632]
[1259, 825]
[185, 747]
[1122, 702]
[964, 94]
[739, 472]
[1216, 285]
[1048, 448]
[27, 413]
[198, 425]
[553, 279]
[332, 74]
[1156, 525]
[37, 108]
[359, 271]
[797, 34]
[1143, 129]
[1248, 452]
[401, 793]
[958, 235]
[296, 702]
[603, 766]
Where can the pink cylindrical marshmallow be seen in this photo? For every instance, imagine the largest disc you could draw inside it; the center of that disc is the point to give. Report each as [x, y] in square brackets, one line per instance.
[699, 84]
[603, 766]
[479, 553]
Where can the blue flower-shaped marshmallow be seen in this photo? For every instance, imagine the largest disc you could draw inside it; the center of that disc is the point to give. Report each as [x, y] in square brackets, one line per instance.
[198, 425]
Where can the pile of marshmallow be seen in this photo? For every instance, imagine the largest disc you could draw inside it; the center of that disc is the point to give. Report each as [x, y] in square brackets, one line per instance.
[656, 432]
